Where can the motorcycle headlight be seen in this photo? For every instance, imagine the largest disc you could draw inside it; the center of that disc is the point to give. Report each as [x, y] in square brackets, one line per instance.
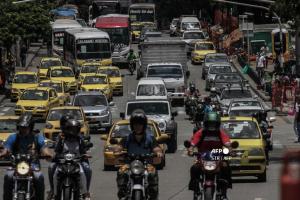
[69, 156]
[23, 168]
[137, 167]
[256, 152]
[209, 165]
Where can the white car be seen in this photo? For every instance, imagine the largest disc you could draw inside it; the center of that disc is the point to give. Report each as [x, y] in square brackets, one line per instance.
[151, 88]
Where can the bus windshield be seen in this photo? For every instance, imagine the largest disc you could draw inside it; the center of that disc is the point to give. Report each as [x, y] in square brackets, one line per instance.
[118, 35]
[142, 15]
[93, 50]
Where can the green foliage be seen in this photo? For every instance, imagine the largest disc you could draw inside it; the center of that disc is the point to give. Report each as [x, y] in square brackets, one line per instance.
[26, 20]
[288, 10]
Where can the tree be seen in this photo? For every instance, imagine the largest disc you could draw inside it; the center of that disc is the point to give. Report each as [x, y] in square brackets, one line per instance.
[288, 10]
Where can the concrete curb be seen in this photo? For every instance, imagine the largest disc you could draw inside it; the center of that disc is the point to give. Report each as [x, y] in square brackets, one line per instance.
[253, 87]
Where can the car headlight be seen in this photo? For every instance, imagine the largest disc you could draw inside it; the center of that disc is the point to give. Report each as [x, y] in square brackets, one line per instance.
[137, 167]
[41, 108]
[161, 125]
[256, 152]
[18, 107]
[23, 168]
[48, 126]
[104, 112]
[209, 165]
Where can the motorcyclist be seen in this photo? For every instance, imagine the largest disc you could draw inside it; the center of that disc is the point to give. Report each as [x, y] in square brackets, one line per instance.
[206, 139]
[25, 141]
[131, 55]
[139, 142]
[191, 92]
[71, 141]
[207, 107]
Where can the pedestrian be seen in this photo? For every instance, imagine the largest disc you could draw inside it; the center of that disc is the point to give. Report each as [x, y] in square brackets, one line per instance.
[297, 120]
[260, 66]
[23, 55]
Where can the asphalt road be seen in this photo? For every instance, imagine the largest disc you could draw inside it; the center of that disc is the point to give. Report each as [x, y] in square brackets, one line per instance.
[173, 179]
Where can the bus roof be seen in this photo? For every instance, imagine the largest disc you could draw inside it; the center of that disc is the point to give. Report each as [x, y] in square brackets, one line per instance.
[86, 33]
[65, 24]
[142, 5]
[112, 21]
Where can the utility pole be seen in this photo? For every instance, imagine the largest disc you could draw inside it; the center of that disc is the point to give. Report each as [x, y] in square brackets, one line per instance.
[262, 8]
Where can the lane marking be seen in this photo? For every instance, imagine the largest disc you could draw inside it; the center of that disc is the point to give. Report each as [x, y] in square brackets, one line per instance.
[5, 109]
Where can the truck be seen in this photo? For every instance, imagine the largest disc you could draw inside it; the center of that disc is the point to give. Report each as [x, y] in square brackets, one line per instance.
[165, 58]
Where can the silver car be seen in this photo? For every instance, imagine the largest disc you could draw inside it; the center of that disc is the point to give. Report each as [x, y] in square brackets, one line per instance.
[96, 109]
[213, 58]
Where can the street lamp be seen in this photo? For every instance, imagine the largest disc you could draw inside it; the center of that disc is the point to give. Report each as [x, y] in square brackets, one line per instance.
[262, 8]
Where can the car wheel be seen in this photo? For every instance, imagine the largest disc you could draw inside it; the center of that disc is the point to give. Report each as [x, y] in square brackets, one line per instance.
[172, 145]
[109, 167]
[263, 177]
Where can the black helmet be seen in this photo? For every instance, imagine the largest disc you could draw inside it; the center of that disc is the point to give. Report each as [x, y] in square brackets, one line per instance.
[212, 121]
[131, 51]
[64, 119]
[138, 117]
[26, 120]
[71, 127]
[192, 87]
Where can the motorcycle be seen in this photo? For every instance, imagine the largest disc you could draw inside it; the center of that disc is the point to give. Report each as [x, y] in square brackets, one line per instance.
[132, 66]
[212, 187]
[138, 173]
[23, 188]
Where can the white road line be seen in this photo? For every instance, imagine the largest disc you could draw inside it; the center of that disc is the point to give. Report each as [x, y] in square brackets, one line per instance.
[277, 144]
[5, 109]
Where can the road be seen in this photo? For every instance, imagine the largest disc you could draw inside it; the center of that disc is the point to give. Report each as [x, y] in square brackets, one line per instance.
[173, 179]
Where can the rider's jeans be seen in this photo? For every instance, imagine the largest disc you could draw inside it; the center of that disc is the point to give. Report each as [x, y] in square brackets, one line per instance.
[196, 172]
[38, 181]
[85, 177]
[123, 178]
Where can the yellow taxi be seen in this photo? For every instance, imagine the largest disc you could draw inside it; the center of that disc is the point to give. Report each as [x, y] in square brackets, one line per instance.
[61, 89]
[115, 78]
[201, 49]
[97, 82]
[136, 28]
[88, 68]
[23, 80]
[250, 158]
[38, 101]
[52, 127]
[8, 126]
[120, 130]
[45, 63]
[65, 74]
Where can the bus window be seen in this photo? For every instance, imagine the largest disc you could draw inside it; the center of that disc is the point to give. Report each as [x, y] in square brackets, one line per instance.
[93, 50]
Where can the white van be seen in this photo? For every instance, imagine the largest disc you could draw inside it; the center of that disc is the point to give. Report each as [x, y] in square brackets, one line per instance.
[189, 24]
[151, 88]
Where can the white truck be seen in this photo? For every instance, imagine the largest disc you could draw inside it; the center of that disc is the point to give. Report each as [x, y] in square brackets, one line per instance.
[165, 58]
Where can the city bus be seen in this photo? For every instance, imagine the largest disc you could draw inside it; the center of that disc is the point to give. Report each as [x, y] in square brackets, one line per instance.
[139, 15]
[58, 30]
[117, 26]
[86, 45]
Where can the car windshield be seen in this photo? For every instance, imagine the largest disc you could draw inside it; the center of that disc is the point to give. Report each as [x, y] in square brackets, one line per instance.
[62, 73]
[123, 130]
[89, 69]
[193, 35]
[25, 78]
[243, 113]
[37, 95]
[151, 90]
[55, 115]
[50, 63]
[219, 69]
[90, 100]
[231, 94]
[165, 71]
[228, 78]
[245, 103]
[95, 80]
[8, 125]
[241, 129]
[150, 108]
[56, 86]
[216, 58]
[204, 46]
[110, 72]
[190, 25]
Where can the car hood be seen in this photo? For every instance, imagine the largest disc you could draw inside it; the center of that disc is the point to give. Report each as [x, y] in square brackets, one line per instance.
[95, 86]
[43, 71]
[65, 79]
[173, 82]
[204, 52]
[32, 103]
[23, 85]
[151, 97]
[115, 79]
[92, 109]
[225, 102]
[159, 118]
[246, 144]
[211, 76]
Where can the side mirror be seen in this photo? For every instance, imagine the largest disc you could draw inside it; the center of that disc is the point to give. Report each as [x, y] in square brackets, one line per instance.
[163, 138]
[104, 137]
[187, 73]
[122, 115]
[235, 144]
[111, 103]
[187, 144]
[113, 141]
